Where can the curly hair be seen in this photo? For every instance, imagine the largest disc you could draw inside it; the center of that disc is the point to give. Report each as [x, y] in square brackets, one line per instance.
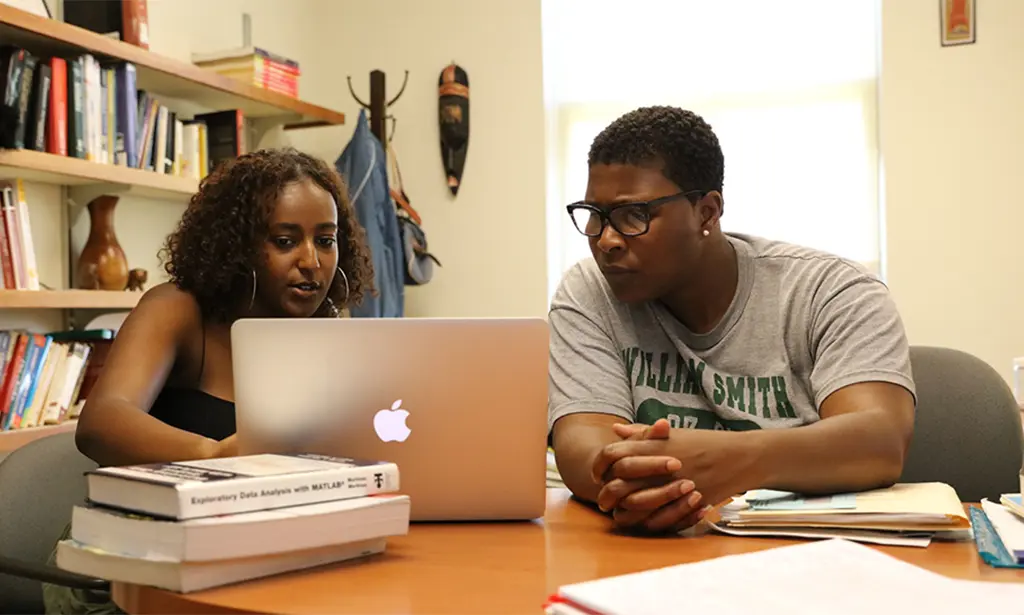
[680, 141]
[216, 245]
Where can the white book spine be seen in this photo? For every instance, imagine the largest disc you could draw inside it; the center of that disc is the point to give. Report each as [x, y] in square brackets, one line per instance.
[143, 489]
[243, 495]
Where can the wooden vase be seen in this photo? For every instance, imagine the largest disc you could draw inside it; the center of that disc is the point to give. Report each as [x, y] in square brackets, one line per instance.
[102, 264]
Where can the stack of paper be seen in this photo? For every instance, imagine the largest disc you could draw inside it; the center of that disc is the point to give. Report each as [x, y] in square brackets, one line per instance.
[999, 532]
[1012, 501]
[910, 514]
[829, 576]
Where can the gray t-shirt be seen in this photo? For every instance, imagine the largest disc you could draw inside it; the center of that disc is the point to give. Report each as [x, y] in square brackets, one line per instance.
[801, 325]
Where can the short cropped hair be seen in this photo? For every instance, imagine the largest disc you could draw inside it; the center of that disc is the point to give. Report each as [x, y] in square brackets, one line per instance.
[680, 142]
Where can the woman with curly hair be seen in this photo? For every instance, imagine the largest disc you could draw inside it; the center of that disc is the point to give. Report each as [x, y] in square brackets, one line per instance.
[269, 234]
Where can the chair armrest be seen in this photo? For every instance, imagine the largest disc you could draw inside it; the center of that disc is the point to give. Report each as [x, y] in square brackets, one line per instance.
[50, 574]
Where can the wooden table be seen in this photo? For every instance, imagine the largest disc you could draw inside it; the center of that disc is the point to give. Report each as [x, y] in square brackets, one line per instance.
[497, 568]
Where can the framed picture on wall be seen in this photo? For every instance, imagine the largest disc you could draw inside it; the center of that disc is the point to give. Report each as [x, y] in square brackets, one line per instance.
[959, 22]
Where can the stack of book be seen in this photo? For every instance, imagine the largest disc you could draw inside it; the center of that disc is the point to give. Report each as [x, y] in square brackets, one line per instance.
[907, 514]
[187, 526]
[84, 106]
[254, 66]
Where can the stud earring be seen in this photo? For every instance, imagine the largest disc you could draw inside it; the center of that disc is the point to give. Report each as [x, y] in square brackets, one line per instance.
[252, 299]
[706, 232]
[345, 278]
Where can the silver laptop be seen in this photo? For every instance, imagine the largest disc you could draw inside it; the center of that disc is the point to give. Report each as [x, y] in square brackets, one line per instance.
[459, 404]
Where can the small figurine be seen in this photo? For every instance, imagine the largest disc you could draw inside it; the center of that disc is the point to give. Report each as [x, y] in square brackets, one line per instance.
[137, 279]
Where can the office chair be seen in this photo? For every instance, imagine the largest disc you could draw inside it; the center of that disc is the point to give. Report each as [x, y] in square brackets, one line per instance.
[967, 432]
[40, 482]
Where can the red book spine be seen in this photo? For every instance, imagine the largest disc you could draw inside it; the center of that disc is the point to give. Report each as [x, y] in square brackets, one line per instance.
[135, 20]
[11, 377]
[6, 263]
[240, 132]
[275, 85]
[57, 122]
[270, 66]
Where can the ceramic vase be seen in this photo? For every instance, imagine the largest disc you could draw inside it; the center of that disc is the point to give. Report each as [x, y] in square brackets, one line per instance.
[102, 264]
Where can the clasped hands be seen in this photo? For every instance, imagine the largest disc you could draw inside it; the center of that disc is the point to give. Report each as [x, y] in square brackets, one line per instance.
[645, 487]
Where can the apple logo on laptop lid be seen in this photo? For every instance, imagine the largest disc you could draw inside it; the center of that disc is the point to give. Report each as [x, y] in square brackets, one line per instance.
[389, 423]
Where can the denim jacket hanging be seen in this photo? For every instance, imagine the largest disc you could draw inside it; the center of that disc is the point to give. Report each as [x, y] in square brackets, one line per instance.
[363, 166]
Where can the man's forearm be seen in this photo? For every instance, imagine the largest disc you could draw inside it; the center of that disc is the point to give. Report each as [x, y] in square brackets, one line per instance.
[574, 468]
[851, 452]
[576, 448]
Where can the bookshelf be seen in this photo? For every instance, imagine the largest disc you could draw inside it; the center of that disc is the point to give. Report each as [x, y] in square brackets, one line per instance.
[167, 76]
[69, 299]
[174, 80]
[174, 84]
[45, 168]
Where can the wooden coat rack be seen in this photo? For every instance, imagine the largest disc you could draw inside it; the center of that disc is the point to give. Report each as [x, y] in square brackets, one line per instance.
[378, 108]
[378, 105]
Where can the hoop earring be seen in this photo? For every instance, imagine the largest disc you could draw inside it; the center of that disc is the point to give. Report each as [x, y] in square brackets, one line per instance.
[252, 299]
[345, 278]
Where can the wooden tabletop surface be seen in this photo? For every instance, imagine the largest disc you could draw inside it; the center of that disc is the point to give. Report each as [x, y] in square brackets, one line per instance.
[497, 568]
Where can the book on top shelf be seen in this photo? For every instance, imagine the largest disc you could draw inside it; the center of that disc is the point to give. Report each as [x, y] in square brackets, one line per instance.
[255, 66]
[127, 20]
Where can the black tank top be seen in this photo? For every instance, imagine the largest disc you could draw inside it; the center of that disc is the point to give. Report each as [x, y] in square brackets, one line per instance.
[194, 410]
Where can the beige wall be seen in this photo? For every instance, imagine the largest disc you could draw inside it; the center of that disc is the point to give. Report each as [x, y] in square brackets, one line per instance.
[491, 237]
[952, 136]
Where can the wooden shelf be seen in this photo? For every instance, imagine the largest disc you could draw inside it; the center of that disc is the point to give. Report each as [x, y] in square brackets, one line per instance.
[12, 439]
[69, 299]
[62, 170]
[159, 74]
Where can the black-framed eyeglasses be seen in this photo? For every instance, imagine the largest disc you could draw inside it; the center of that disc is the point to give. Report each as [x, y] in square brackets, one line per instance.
[628, 219]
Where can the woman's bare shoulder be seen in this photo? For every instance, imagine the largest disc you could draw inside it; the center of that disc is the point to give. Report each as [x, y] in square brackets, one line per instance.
[170, 304]
[168, 294]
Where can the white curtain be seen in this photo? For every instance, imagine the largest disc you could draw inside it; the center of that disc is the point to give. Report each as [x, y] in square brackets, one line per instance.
[788, 86]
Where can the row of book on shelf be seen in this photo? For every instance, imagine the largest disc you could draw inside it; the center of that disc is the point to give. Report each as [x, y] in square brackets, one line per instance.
[47, 377]
[192, 525]
[18, 270]
[82, 108]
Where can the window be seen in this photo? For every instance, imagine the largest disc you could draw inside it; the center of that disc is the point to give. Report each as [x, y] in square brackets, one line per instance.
[789, 88]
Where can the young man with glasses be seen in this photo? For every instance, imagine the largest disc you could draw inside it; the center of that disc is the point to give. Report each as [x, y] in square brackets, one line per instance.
[689, 365]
